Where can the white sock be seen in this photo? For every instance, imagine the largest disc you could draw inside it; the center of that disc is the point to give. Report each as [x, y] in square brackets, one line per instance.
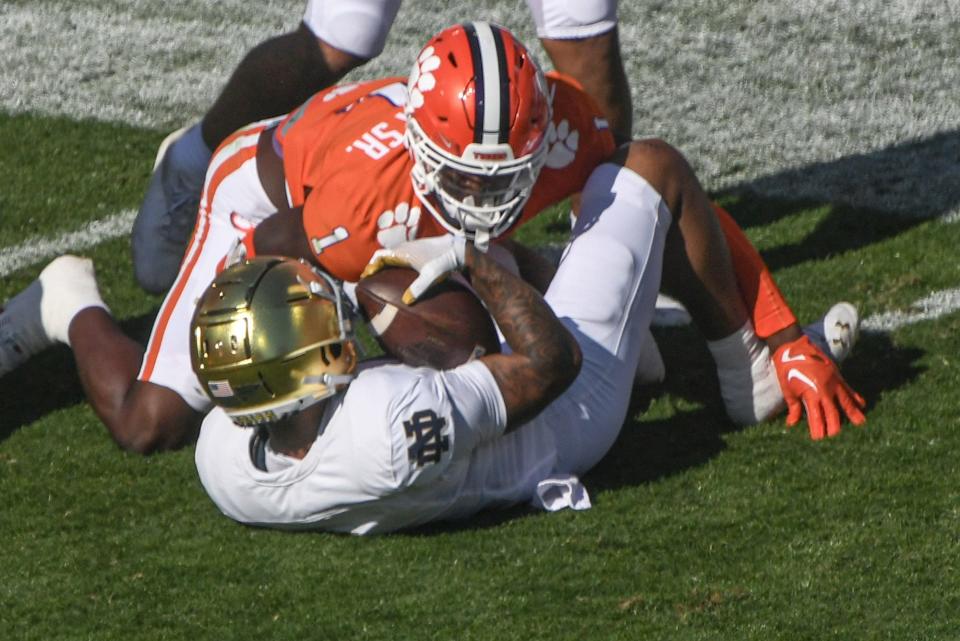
[69, 287]
[748, 380]
[651, 369]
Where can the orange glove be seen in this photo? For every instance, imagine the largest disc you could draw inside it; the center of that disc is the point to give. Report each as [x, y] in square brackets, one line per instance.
[806, 374]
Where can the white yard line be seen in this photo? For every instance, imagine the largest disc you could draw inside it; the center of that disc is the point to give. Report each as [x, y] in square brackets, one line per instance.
[37, 249]
[930, 307]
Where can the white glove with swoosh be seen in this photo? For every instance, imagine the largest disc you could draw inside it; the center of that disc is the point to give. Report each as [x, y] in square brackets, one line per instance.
[434, 258]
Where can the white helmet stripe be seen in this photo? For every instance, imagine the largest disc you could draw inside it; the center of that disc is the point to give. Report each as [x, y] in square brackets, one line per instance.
[490, 66]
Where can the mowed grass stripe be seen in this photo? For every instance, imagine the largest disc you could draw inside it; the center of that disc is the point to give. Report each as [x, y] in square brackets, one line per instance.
[60, 175]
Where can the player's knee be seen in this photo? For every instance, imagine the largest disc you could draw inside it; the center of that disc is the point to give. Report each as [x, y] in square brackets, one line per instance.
[350, 33]
[320, 62]
[648, 154]
[135, 434]
[142, 442]
[339, 62]
[661, 165]
[148, 277]
[584, 58]
[573, 19]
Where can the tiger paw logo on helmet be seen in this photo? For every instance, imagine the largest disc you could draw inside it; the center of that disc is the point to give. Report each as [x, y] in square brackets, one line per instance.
[421, 78]
[561, 145]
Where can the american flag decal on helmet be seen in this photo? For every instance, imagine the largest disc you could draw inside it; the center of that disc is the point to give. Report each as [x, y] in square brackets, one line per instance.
[220, 389]
[492, 124]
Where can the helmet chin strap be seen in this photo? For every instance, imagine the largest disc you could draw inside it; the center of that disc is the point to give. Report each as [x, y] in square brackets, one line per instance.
[330, 380]
[481, 239]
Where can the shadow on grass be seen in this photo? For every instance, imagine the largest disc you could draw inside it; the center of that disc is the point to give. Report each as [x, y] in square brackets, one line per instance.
[49, 382]
[651, 449]
[844, 228]
[918, 179]
[877, 366]
[874, 196]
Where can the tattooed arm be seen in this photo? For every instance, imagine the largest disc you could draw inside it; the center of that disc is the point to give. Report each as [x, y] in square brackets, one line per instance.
[545, 357]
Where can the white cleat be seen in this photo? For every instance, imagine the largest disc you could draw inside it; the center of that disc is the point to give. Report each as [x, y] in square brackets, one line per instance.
[40, 315]
[21, 331]
[670, 312]
[837, 332]
[651, 369]
[69, 286]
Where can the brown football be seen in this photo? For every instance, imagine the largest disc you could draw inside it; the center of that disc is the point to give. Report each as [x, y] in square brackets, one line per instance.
[445, 328]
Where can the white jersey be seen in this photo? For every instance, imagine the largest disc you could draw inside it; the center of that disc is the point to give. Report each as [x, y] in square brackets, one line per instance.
[403, 446]
[400, 447]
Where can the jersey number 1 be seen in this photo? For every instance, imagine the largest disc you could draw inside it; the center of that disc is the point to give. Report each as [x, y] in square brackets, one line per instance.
[324, 242]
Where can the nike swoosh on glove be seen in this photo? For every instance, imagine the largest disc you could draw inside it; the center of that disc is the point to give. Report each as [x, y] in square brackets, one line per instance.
[809, 377]
[434, 258]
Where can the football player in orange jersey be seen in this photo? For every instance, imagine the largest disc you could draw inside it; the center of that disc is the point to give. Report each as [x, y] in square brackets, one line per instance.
[489, 142]
[580, 36]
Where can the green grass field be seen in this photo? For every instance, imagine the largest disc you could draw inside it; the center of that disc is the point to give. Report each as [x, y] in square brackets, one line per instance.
[698, 530]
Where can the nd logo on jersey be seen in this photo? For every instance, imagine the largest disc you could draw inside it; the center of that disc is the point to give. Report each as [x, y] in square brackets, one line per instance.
[426, 431]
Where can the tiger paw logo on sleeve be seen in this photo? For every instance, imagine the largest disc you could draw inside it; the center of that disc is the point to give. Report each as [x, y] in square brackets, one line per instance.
[397, 225]
[561, 145]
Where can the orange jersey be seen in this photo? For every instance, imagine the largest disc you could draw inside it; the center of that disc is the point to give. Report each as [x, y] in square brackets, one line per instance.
[345, 163]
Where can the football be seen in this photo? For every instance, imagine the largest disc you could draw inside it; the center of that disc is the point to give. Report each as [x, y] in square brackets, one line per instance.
[445, 328]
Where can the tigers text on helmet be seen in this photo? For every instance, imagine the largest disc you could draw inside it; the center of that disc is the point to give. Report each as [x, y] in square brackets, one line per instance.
[270, 337]
[477, 116]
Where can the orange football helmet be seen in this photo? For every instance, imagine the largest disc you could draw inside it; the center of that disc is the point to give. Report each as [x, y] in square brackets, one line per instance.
[477, 116]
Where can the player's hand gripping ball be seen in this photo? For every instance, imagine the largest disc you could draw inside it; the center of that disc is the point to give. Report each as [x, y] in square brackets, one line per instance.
[445, 327]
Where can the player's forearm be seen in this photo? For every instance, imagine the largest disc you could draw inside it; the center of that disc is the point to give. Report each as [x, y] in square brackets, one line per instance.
[545, 358]
[784, 336]
[527, 322]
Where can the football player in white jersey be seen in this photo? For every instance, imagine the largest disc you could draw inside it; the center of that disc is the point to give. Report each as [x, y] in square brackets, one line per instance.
[399, 446]
[295, 442]
[580, 36]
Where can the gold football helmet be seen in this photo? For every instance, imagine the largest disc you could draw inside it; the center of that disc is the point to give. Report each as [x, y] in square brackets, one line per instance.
[270, 337]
